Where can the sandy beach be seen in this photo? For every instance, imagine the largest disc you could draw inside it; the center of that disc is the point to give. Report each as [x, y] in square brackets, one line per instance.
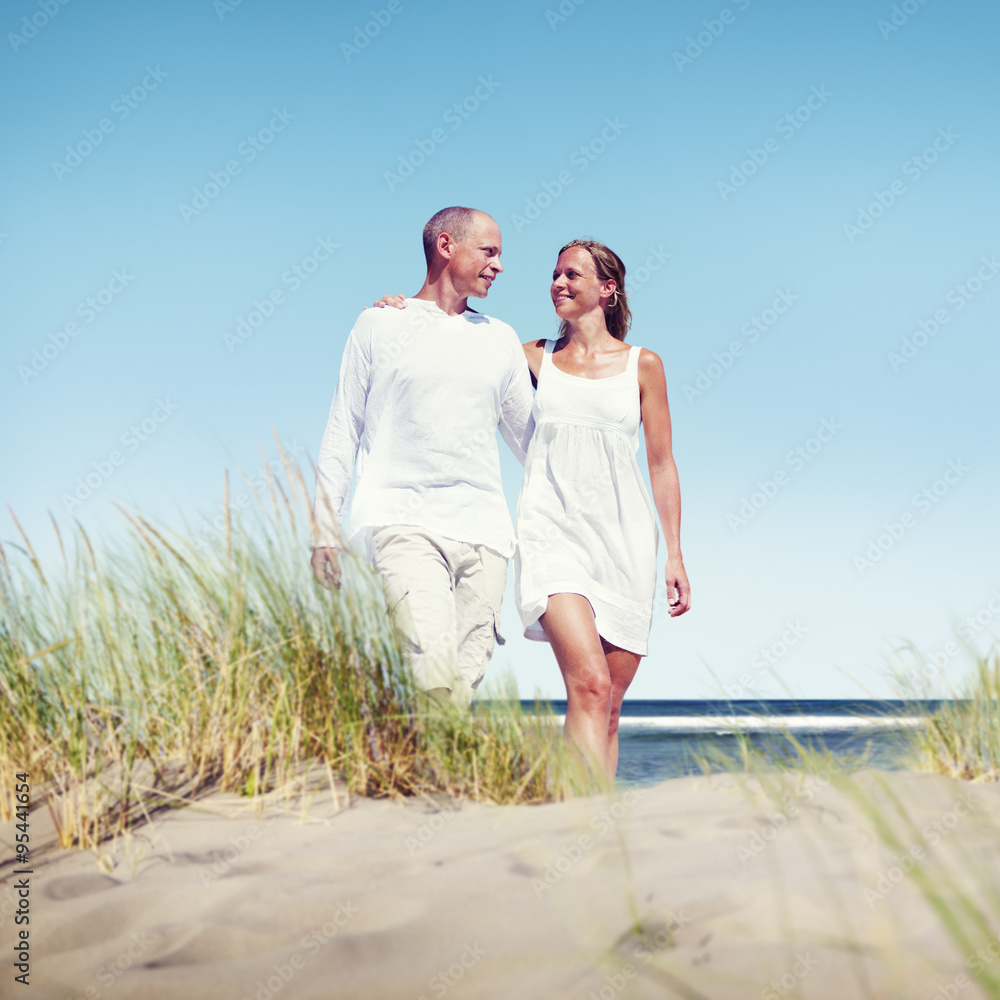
[697, 887]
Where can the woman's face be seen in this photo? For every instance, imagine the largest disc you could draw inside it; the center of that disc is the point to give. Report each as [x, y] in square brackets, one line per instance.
[576, 290]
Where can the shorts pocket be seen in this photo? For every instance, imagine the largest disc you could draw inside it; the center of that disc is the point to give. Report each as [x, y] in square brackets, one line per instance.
[393, 602]
[497, 637]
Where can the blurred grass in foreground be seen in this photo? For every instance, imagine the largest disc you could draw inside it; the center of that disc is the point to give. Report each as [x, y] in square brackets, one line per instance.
[960, 885]
[158, 668]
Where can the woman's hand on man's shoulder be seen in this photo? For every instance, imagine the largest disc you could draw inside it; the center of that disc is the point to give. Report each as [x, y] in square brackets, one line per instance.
[398, 301]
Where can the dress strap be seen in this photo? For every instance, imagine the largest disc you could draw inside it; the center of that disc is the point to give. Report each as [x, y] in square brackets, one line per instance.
[547, 353]
[633, 360]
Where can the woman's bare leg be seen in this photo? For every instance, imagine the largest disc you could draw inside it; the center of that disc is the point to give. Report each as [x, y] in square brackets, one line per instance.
[569, 626]
[622, 665]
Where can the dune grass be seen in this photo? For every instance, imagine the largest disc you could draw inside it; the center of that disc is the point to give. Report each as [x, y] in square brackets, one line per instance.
[154, 665]
[962, 737]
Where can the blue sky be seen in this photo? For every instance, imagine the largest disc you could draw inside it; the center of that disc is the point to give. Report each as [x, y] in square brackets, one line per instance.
[169, 167]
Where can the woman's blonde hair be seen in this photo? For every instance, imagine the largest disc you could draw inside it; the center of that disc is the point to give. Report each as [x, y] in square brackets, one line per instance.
[617, 314]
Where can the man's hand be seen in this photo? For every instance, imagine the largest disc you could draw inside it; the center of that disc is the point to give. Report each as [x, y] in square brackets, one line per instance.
[678, 588]
[326, 567]
[399, 301]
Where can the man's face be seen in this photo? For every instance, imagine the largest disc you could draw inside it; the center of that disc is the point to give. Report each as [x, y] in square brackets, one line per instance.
[475, 261]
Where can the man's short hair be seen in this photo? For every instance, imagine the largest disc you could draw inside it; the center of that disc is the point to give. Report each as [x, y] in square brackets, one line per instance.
[456, 221]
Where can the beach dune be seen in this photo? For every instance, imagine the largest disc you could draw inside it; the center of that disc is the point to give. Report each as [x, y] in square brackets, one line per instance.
[697, 887]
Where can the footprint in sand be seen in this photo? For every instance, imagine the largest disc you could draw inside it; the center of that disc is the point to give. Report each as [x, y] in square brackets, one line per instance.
[76, 886]
[88, 922]
[198, 942]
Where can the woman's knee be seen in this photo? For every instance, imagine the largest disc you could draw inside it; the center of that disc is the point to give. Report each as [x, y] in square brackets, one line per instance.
[592, 688]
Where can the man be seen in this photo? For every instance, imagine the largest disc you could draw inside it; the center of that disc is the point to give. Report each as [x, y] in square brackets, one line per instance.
[421, 394]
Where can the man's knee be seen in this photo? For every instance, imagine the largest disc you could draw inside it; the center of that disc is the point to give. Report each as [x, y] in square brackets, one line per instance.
[417, 587]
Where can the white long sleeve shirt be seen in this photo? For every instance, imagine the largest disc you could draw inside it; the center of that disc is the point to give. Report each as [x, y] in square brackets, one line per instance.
[418, 403]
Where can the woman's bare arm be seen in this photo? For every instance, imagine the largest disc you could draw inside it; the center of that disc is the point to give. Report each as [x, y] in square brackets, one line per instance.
[663, 476]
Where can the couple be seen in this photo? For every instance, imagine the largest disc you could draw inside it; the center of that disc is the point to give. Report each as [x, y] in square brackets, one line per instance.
[422, 392]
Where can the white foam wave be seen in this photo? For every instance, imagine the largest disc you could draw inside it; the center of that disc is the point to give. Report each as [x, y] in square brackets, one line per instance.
[769, 723]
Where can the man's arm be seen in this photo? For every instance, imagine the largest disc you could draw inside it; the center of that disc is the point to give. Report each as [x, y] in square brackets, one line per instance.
[339, 448]
[516, 422]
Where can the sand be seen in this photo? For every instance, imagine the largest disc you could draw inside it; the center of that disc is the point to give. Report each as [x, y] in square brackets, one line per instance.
[732, 896]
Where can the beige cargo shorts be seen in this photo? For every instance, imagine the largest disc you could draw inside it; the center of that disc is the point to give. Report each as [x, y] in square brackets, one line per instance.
[443, 597]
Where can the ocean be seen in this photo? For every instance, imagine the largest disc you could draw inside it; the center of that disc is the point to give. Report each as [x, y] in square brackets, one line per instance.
[660, 739]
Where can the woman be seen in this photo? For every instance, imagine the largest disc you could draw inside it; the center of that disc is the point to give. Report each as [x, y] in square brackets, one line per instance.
[586, 531]
[585, 565]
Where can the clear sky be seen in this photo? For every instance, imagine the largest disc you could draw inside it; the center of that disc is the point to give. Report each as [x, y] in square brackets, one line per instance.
[812, 183]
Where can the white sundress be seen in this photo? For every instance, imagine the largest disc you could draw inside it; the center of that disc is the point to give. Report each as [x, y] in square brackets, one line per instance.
[585, 523]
